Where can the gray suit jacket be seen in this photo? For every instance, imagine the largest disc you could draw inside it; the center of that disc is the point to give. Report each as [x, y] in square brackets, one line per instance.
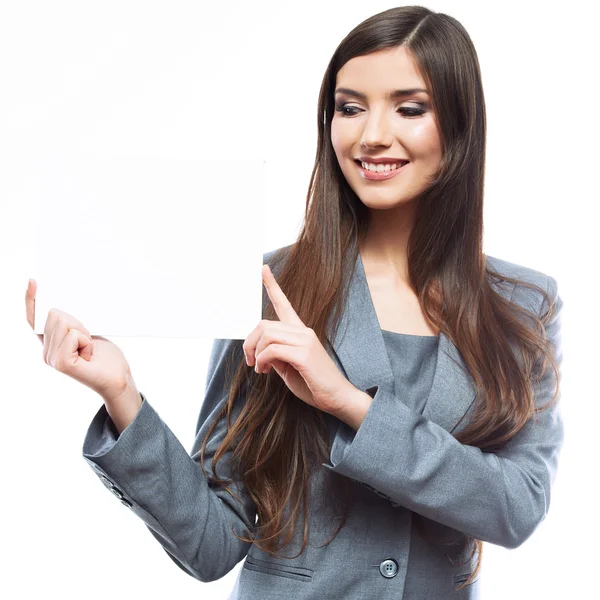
[398, 463]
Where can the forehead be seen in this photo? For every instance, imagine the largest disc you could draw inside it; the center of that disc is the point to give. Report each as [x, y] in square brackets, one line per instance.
[377, 73]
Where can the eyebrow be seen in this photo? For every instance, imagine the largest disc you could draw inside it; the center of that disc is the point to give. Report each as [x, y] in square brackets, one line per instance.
[392, 94]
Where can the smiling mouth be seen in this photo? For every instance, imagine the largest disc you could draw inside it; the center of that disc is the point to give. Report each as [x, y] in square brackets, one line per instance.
[394, 166]
[383, 175]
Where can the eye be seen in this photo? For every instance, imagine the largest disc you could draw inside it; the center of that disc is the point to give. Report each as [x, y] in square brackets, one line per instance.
[342, 109]
[411, 112]
[405, 110]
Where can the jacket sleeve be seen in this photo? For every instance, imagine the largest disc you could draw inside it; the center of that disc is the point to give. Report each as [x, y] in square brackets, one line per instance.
[147, 468]
[496, 497]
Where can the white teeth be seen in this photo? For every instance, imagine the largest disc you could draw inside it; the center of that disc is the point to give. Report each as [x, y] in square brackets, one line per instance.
[380, 167]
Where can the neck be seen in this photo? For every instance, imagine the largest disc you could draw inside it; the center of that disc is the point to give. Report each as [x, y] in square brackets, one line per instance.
[384, 249]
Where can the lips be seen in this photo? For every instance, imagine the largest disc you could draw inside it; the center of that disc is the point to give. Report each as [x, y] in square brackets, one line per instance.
[380, 175]
[400, 162]
[382, 159]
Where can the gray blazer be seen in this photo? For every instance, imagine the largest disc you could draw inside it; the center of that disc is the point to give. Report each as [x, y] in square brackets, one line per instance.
[398, 463]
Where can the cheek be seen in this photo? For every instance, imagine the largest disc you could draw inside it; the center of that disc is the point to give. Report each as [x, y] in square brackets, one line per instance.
[425, 139]
[335, 137]
[341, 137]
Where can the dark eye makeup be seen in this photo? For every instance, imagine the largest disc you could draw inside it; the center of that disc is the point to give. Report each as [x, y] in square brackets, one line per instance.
[405, 110]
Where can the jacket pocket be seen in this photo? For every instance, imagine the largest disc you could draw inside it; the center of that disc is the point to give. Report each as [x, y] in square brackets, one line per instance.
[278, 569]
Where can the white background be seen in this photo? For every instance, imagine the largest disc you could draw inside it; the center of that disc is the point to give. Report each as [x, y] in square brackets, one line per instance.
[63, 532]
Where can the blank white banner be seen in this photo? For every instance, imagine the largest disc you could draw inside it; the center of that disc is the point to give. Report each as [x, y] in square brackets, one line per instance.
[151, 246]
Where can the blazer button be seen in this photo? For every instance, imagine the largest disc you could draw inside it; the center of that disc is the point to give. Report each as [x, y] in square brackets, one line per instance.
[117, 492]
[389, 568]
[106, 479]
[126, 502]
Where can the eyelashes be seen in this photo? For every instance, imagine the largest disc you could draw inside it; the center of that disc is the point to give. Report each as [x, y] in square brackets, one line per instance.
[405, 110]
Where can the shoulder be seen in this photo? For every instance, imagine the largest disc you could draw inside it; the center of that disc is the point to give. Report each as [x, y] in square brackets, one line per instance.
[527, 297]
[517, 271]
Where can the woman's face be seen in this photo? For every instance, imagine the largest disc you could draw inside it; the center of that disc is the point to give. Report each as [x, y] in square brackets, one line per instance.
[369, 123]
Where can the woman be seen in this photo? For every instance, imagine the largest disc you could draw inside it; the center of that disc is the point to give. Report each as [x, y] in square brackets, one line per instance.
[397, 405]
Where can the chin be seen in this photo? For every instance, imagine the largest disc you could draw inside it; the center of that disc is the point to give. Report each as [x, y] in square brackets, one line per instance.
[384, 203]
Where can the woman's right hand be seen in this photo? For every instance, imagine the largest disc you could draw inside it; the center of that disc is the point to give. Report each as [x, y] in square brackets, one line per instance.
[70, 349]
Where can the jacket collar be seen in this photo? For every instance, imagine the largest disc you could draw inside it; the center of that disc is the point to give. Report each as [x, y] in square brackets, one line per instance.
[360, 348]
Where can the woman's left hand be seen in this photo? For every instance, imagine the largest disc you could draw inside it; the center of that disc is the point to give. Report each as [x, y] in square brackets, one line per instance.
[296, 354]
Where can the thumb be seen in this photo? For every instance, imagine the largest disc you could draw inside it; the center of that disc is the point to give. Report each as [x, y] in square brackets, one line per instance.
[87, 350]
[76, 349]
[85, 346]
[280, 367]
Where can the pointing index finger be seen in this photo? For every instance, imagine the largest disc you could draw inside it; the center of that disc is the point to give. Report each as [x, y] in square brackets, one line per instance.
[281, 304]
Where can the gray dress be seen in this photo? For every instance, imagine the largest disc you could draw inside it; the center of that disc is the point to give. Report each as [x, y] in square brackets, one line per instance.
[413, 359]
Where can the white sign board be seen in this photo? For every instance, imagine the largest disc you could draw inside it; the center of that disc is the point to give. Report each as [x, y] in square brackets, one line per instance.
[141, 246]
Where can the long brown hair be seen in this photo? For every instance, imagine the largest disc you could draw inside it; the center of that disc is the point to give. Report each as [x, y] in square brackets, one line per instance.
[277, 440]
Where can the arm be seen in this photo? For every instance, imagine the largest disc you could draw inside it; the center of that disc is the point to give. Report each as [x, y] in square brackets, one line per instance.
[123, 409]
[149, 470]
[354, 413]
[496, 497]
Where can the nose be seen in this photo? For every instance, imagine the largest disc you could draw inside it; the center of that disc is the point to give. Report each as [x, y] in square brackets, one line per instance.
[376, 132]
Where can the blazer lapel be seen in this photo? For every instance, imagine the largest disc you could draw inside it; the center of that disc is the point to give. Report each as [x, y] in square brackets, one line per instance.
[360, 349]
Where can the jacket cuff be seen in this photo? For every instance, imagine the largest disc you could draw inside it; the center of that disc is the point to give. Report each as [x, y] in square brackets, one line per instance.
[103, 446]
[345, 435]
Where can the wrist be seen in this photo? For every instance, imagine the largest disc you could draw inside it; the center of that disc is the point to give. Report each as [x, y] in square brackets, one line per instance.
[354, 410]
[125, 391]
[124, 408]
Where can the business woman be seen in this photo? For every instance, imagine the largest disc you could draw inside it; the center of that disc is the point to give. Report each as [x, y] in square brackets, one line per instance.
[398, 403]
